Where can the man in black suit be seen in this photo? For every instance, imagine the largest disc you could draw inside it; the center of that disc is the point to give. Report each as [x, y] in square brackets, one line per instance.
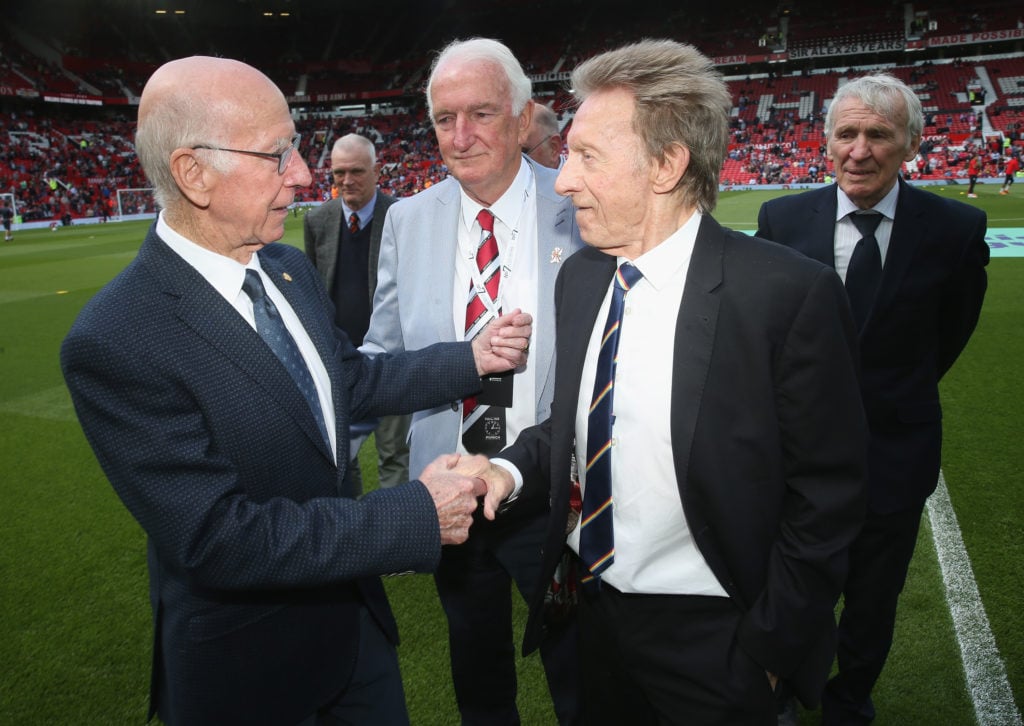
[342, 239]
[215, 390]
[928, 285]
[735, 433]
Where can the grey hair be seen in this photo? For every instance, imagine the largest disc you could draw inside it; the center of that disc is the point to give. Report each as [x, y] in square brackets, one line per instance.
[545, 118]
[181, 123]
[680, 100]
[356, 141]
[485, 50]
[887, 96]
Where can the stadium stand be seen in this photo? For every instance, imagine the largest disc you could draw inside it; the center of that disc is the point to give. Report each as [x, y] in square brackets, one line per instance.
[70, 76]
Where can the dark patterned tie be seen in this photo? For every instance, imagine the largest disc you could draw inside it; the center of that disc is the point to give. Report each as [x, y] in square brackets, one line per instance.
[477, 417]
[272, 329]
[865, 270]
[353, 223]
[597, 542]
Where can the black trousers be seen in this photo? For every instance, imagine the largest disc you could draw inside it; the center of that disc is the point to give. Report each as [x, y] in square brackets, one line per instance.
[474, 582]
[879, 560]
[668, 659]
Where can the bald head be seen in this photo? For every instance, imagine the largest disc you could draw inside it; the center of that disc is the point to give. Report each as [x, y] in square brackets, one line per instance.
[194, 101]
[543, 142]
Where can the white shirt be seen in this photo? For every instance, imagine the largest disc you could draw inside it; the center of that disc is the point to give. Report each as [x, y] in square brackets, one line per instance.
[654, 550]
[226, 276]
[515, 227]
[847, 234]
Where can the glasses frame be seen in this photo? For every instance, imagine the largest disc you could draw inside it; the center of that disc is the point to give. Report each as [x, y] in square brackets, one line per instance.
[537, 145]
[282, 157]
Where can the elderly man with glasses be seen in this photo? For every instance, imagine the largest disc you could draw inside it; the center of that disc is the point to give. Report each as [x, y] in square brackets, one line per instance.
[216, 391]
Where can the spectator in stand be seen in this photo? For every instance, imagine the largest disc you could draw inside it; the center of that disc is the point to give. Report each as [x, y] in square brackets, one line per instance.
[497, 233]
[1011, 168]
[342, 240]
[916, 280]
[973, 170]
[543, 139]
[7, 216]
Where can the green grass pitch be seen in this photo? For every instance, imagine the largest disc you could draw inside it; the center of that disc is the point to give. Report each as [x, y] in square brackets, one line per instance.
[75, 631]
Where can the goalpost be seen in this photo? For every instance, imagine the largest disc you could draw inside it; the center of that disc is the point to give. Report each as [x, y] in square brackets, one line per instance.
[135, 201]
[7, 200]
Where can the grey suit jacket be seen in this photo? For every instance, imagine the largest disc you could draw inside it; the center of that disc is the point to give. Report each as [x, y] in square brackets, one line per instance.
[257, 564]
[320, 229]
[413, 304]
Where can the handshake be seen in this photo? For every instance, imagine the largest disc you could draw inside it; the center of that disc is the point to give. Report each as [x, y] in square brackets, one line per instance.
[455, 482]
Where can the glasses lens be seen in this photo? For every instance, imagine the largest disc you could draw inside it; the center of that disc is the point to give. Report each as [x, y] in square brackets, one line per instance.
[286, 155]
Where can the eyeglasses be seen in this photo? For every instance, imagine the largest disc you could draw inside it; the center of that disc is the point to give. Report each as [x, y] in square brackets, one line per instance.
[283, 157]
[537, 145]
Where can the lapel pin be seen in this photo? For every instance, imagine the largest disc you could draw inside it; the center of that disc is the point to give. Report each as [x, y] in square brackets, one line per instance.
[286, 276]
[556, 255]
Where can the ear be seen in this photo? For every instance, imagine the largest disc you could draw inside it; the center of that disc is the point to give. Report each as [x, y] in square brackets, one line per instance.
[194, 179]
[915, 144]
[666, 172]
[524, 121]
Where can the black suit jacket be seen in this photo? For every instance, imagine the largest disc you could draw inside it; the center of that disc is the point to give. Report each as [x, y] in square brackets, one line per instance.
[768, 437]
[321, 228]
[929, 300]
[257, 564]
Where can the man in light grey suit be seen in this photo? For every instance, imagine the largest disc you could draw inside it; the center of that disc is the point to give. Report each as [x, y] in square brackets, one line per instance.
[342, 239]
[436, 283]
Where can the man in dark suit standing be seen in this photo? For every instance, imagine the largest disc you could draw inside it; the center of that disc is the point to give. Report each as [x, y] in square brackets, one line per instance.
[215, 390]
[342, 239]
[718, 446]
[924, 288]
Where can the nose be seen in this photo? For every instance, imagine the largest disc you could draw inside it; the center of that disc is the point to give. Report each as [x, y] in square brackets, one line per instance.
[861, 148]
[568, 178]
[297, 173]
[465, 132]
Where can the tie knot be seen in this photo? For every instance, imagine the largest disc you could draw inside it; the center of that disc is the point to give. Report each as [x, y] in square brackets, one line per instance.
[486, 220]
[353, 222]
[866, 222]
[626, 276]
[253, 285]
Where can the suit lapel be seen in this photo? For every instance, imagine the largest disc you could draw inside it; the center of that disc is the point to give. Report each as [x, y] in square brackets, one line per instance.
[694, 340]
[908, 231]
[202, 309]
[439, 274]
[821, 228]
[331, 232]
[554, 226]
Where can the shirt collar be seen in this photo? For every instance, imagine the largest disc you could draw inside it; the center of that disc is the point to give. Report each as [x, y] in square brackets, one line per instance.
[508, 206]
[886, 207]
[661, 264]
[365, 214]
[223, 273]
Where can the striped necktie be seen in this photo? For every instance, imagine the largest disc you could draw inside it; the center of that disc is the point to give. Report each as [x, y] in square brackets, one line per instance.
[597, 542]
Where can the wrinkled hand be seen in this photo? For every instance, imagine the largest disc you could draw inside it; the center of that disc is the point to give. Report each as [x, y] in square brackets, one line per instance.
[454, 493]
[504, 343]
[498, 481]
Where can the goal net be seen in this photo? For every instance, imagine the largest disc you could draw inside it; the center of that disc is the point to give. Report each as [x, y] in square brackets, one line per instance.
[132, 202]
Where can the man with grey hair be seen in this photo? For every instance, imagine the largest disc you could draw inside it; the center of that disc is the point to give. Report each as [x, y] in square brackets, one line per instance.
[216, 392]
[342, 239]
[916, 280]
[706, 400]
[491, 237]
[544, 139]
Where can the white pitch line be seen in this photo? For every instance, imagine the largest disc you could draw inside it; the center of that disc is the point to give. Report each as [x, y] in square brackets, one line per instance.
[983, 667]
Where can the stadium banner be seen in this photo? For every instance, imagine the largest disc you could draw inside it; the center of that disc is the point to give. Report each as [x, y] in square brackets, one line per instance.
[987, 36]
[834, 49]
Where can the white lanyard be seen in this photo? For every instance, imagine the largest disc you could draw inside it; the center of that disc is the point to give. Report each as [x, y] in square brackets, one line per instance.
[507, 259]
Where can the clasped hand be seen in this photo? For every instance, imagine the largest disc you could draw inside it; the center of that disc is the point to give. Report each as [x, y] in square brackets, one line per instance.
[455, 482]
[504, 343]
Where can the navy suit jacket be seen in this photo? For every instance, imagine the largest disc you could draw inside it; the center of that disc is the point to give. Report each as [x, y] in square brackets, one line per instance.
[768, 437]
[930, 297]
[257, 564]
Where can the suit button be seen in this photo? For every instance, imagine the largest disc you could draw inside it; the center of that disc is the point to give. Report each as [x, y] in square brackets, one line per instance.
[455, 405]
